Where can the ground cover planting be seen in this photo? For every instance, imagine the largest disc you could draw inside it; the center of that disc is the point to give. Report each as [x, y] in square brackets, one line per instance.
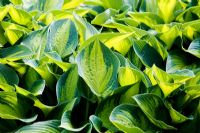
[100, 66]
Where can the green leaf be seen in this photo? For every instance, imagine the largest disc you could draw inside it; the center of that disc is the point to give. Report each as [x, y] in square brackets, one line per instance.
[42, 5]
[62, 37]
[37, 103]
[15, 53]
[128, 76]
[37, 87]
[36, 42]
[50, 126]
[55, 58]
[66, 124]
[20, 16]
[66, 87]
[13, 32]
[189, 14]
[193, 91]
[57, 112]
[178, 60]
[16, 2]
[7, 87]
[96, 123]
[147, 18]
[194, 48]
[176, 116]
[3, 12]
[85, 29]
[42, 69]
[121, 42]
[142, 35]
[167, 9]
[105, 18]
[104, 110]
[3, 40]
[112, 4]
[98, 66]
[169, 36]
[154, 108]
[68, 4]
[8, 75]
[12, 107]
[170, 82]
[164, 8]
[147, 54]
[129, 118]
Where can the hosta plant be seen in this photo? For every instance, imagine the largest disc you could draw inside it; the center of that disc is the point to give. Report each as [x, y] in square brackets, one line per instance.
[109, 66]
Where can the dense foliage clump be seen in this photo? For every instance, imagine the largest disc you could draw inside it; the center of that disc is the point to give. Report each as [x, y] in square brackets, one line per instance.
[100, 66]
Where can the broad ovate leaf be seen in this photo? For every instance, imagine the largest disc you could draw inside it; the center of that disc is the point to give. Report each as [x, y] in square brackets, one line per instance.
[37, 103]
[67, 124]
[130, 119]
[178, 60]
[54, 57]
[36, 42]
[8, 75]
[170, 82]
[50, 126]
[66, 87]
[42, 5]
[15, 53]
[85, 29]
[12, 106]
[128, 76]
[147, 18]
[147, 54]
[62, 37]
[3, 12]
[154, 108]
[112, 4]
[176, 116]
[105, 18]
[20, 16]
[98, 66]
[13, 32]
[121, 42]
[37, 87]
[194, 48]
[96, 123]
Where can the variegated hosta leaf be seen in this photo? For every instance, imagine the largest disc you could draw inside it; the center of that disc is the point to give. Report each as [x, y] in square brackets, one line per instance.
[8, 75]
[13, 32]
[170, 82]
[20, 16]
[15, 53]
[98, 66]
[3, 12]
[66, 87]
[67, 124]
[129, 118]
[85, 29]
[36, 42]
[37, 103]
[154, 108]
[12, 107]
[150, 19]
[128, 76]
[121, 42]
[62, 37]
[42, 5]
[50, 126]
[178, 60]
[147, 54]
[194, 48]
